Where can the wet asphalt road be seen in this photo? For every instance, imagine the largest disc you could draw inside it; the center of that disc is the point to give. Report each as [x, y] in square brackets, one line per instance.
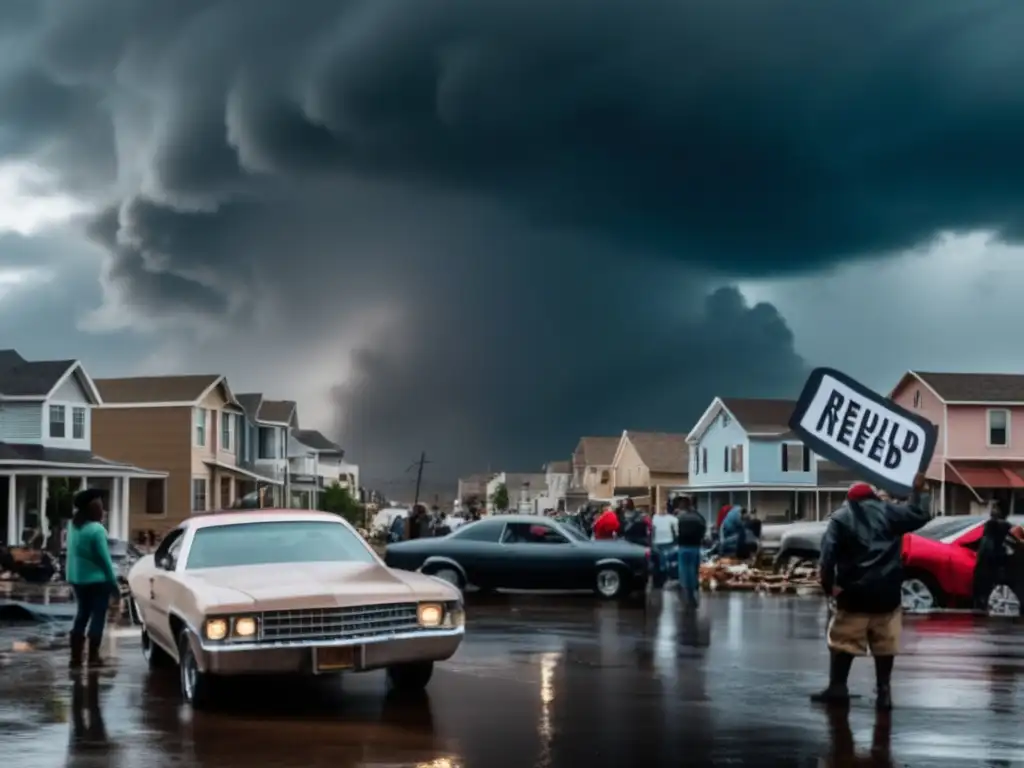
[562, 683]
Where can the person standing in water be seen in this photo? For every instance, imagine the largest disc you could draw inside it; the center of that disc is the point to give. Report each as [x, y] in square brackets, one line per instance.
[91, 573]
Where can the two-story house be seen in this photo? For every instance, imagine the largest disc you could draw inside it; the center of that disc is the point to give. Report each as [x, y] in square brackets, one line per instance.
[318, 463]
[978, 458]
[557, 475]
[646, 465]
[592, 467]
[47, 435]
[191, 427]
[273, 422]
[743, 452]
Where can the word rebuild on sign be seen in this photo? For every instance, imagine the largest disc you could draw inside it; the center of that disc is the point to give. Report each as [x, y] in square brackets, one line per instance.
[844, 421]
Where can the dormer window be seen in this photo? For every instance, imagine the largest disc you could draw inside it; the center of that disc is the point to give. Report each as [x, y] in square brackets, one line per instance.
[78, 423]
[58, 426]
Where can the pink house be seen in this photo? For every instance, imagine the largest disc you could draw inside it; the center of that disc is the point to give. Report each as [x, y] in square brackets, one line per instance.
[978, 458]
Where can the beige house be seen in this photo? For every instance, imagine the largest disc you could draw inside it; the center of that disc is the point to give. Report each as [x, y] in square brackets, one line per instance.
[592, 467]
[647, 464]
[188, 426]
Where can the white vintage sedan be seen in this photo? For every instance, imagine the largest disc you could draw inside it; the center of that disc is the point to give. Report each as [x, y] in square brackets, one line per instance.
[286, 592]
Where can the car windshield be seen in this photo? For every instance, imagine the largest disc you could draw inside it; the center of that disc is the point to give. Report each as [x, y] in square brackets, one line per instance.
[942, 527]
[572, 532]
[292, 541]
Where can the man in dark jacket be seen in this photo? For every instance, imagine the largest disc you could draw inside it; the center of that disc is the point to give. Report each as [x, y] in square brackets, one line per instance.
[861, 567]
[691, 531]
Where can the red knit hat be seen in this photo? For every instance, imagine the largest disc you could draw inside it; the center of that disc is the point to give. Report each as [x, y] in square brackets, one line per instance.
[860, 492]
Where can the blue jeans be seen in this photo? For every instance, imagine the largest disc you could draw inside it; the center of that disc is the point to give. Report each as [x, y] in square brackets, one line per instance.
[93, 601]
[689, 572]
[665, 555]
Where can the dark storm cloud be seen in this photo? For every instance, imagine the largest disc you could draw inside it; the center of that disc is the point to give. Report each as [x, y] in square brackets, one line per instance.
[653, 136]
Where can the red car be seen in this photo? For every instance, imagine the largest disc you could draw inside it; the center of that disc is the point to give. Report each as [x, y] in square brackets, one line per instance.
[938, 567]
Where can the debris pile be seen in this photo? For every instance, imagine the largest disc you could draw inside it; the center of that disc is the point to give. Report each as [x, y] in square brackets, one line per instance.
[35, 566]
[727, 575]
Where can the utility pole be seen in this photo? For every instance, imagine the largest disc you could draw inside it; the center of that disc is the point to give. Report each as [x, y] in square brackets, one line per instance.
[419, 474]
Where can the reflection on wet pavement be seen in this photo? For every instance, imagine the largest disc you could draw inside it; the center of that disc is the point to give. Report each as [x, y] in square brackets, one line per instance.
[551, 683]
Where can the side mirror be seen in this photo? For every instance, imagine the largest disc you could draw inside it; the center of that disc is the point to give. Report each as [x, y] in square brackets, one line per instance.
[165, 563]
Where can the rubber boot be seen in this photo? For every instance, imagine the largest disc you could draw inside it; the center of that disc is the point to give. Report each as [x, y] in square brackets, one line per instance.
[837, 691]
[883, 682]
[95, 660]
[77, 646]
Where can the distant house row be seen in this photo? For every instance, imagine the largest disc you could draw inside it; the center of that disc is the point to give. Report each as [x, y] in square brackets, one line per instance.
[742, 451]
[162, 446]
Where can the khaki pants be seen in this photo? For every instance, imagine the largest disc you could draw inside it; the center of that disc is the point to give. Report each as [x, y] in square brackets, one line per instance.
[858, 633]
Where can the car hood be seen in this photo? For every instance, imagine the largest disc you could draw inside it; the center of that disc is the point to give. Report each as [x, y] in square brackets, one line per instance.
[320, 585]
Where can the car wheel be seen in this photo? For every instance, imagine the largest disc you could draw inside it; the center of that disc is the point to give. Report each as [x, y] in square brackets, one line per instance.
[1003, 601]
[155, 656]
[195, 684]
[918, 595]
[450, 575]
[410, 677]
[609, 583]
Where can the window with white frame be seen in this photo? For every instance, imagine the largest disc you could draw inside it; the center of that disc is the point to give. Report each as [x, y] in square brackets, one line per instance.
[58, 427]
[78, 423]
[998, 428]
[199, 494]
[227, 431]
[736, 458]
[200, 426]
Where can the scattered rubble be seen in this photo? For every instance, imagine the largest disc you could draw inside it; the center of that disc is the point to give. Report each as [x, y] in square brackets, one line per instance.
[727, 575]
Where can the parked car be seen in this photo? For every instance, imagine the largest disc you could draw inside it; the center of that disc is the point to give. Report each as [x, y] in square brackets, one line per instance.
[123, 553]
[938, 568]
[525, 552]
[799, 544]
[286, 592]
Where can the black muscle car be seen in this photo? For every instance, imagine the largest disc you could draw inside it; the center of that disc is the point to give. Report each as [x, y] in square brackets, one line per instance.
[525, 552]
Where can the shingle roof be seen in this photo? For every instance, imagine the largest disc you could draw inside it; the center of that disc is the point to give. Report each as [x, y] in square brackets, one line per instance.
[279, 411]
[596, 451]
[250, 403]
[761, 415]
[661, 451]
[316, 440]
[23, 378]
[976, 387]
[15, 452]
[155, 389]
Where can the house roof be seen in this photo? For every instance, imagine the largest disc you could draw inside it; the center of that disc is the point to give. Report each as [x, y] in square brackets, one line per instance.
[156, 389]
[558, 467]
[597, 451]
[311, 438]
[760, 415]
[514, 481]
[250, 403]
[23, 378]
[661, 451]
[975, 387]
[278, 411]
[15, 454]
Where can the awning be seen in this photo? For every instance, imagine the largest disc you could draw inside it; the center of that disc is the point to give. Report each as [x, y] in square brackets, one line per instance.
[984, 476]
[28, 459]
[247, 474]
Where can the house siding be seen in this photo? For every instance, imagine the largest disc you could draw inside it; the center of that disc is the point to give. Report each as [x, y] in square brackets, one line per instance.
[765, 465]
[968, 433]
[71, 392]
[154, 438]
[630, 470]
[931, 408]
[715, 440]
[21, 422]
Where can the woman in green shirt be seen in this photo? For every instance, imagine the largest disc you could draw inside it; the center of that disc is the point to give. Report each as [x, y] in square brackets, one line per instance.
[91, 573]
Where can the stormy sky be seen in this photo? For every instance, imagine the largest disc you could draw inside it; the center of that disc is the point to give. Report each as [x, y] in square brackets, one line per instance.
[485, 227]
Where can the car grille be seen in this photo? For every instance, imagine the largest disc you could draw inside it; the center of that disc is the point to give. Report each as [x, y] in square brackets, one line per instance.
[364, 621]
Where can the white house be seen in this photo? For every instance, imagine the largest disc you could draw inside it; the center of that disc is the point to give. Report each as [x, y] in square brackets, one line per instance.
[317, 463]
[45, 433]
[524, 488]
[557, 475]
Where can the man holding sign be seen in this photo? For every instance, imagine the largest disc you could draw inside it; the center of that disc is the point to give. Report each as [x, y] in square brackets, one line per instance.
[861, 566]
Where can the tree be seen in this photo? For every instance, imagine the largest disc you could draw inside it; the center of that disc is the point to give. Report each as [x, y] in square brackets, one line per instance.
[336, 499]
[500, 498]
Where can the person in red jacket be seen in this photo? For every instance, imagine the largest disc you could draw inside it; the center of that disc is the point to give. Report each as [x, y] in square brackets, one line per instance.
[607, 525]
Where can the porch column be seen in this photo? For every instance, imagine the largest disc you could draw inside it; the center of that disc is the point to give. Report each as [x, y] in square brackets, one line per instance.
[126, 507]
[20, 516]
[12, 510]
[817, 505]
[114, 512]
[44, 493]
[83, 483]
[750, 499]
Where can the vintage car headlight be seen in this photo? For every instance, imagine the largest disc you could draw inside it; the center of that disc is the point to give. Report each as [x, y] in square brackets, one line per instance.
[216, 629]
[244, 626]
[455, 615]
[430, 614]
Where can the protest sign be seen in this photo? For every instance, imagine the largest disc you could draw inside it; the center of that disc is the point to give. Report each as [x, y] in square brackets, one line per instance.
[842, 420]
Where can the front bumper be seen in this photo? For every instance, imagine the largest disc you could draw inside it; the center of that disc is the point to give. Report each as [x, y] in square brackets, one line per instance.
[297, 657]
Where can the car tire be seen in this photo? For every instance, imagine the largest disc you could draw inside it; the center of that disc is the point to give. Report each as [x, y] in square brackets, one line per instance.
[410, 677]
[920, 593]
[196, 686]
[1003, 601]
[448, 574]
[610, 583]
[155, 656]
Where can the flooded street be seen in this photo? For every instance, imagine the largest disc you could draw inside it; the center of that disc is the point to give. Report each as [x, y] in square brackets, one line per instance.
[554, 682]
